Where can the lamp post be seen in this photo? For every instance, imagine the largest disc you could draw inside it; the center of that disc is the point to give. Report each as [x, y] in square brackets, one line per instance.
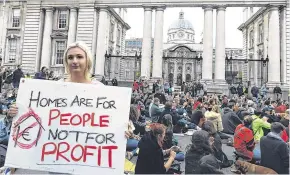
[108, 57]
[137, 57]
[229, 62]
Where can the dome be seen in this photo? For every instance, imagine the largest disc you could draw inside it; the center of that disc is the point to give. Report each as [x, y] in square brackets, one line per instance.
[181, 23]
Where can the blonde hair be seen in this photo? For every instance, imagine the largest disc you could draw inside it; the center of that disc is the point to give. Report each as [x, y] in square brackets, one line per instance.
[216, 109]
[88, 55]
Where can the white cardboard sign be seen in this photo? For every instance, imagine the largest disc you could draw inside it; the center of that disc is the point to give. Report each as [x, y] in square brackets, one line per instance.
[69, 128]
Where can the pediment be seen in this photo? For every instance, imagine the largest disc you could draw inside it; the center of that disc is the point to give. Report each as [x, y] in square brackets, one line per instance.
[59, 34]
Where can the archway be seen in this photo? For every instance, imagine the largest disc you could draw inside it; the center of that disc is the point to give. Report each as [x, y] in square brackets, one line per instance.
[188, 78]
[170, 78]
[179, 79]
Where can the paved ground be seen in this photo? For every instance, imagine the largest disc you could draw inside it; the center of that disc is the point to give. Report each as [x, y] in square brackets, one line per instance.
[184, 141]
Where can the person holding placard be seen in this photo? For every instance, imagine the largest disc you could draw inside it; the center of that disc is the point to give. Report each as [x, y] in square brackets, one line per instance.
[78, 64]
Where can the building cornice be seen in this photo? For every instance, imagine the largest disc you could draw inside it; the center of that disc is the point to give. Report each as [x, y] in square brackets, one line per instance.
[252, 18]
[118, 17]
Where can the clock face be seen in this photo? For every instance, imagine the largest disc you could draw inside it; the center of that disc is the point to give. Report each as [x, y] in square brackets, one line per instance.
[180, 34]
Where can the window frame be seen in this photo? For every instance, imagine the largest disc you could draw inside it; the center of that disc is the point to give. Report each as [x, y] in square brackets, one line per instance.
[13, 17]
[119, 36]
[7, 56]
[54, 60]
[59, 11]
[111, 31]
[261, 34]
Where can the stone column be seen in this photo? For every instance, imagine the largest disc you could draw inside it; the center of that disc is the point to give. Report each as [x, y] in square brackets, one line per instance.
[146, 45]
[46, 42]
[101, 43]
[175, 72]
[158, 44]
[183, 71]
[220, 46]
[72, 26]
[207, 44]
[274, 47]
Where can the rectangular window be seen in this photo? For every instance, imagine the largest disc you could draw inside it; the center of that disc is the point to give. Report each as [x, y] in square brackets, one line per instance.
[60, 47]
[261, 33]
[112, 27]
[62, 19]
[16, 18]
[12, 50]
[251, 38]
[118, 37]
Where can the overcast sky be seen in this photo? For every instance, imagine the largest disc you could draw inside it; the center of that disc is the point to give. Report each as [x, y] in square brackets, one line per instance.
[234, 18]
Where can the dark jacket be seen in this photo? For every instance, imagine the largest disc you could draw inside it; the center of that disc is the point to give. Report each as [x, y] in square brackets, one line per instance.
[274, 153]
[194, 159]
[150, 159]
[155, 113]
[161, 97]
[17, 75]
[230, 121]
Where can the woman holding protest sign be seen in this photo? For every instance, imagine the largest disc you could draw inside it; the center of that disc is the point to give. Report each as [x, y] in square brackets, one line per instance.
[78, 64]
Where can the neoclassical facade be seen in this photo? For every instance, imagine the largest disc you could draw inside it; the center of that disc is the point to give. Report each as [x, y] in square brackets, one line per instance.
[36, 33]
[179, 61]
[264, 36]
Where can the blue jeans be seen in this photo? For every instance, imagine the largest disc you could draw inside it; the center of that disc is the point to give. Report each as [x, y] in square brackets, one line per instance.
[180, 156]
[132, 144]
[257, 152]
[15, 84]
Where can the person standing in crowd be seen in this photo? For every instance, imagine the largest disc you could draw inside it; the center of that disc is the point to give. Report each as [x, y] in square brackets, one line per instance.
[114, 81]
[233, 90]
[274, 151]
[151, 156]
[160, 95]
[278, 92]
[264, 91]
[17, 75]
[255, 91]
[240, 90]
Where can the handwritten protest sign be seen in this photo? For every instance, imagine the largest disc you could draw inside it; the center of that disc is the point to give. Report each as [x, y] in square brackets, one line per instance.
[69, 128]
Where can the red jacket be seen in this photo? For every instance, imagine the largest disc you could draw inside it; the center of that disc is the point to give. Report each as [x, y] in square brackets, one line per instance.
[285, 136]
[244, 141]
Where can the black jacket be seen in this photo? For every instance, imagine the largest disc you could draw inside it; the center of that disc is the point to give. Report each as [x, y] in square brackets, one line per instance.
[150, 159]
[230, 121]
[274, 153]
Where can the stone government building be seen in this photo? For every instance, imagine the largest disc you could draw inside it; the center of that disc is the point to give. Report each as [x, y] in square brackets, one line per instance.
[179, 53]
[36, 33]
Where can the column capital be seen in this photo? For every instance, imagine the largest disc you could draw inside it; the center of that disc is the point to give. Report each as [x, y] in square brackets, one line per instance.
[48, 9]
[160, 8]
[73, 8]
[147, 8]
[103, 8]
[208, 7]
[221, 8]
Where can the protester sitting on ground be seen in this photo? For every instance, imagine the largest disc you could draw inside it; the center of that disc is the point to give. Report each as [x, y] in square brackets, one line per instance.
[244, 141]
[270, 114]
[155, 111]
[214, 116]
[200, 147]
[274, 151]
[150, 158]
[208, 126]
[259, 125]
[242, 112]
[230, 119]
[197, 118]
